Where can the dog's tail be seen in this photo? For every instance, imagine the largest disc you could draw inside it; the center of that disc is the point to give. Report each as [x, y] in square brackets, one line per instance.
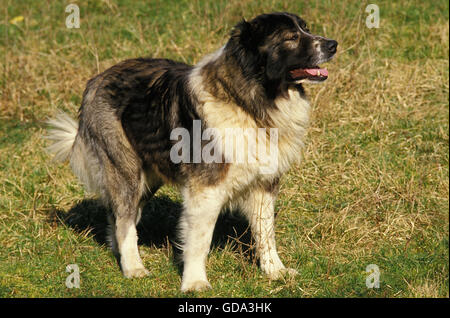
[67, 145]
[62, 133]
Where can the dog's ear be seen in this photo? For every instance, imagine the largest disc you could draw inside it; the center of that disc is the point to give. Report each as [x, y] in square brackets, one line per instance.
[246, 37]
[247, 34]
[243, 46]
[240, 28]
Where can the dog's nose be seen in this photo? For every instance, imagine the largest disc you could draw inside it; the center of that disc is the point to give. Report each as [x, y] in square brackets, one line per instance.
[331, 46]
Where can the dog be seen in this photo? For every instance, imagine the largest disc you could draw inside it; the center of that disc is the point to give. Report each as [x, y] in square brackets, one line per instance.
[122, 145]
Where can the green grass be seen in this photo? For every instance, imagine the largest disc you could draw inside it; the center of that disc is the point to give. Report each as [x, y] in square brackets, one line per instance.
[372, 187]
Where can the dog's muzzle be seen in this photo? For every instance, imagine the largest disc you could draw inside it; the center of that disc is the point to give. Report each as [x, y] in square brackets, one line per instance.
[325, 50]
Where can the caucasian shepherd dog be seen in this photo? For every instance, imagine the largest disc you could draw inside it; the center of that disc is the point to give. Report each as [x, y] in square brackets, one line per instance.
[121, 145]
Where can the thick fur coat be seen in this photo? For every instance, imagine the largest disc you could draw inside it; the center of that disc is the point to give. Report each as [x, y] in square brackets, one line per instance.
[122, 145]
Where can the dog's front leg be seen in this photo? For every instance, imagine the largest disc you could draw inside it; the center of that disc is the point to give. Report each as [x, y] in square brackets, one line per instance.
[197, 226]
[259, 208]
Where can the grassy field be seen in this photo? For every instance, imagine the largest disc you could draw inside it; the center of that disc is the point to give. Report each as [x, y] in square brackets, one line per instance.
[372, 188]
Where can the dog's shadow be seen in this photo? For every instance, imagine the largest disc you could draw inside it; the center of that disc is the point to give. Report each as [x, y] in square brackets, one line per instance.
[158, 226]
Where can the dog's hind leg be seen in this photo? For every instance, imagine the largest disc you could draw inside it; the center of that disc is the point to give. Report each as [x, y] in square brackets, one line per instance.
[121, 187]
[117, 177]
[124, 194]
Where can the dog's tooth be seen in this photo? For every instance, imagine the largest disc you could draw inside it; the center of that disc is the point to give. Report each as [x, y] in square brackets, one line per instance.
[318, 72]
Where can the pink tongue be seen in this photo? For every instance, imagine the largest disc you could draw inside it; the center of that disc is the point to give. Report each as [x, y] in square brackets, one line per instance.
[316, 71]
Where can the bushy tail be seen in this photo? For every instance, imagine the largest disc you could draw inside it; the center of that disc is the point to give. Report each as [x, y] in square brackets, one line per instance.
[62, 132]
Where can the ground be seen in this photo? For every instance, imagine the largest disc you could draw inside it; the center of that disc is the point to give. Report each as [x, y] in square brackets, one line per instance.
[372, 186]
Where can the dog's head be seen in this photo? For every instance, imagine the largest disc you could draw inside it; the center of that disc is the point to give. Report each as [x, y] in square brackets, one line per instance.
[281, 46]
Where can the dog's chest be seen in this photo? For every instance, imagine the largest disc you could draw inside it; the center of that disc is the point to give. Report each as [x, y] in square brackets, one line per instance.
[291, 118]
[265, 152]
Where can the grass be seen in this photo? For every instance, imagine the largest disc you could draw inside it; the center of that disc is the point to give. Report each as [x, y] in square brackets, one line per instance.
[372, 187]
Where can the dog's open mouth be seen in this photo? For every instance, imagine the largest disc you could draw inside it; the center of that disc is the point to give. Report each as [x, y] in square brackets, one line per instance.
[314, 74]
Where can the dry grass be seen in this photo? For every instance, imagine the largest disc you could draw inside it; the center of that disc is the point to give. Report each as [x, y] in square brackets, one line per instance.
[372, 188]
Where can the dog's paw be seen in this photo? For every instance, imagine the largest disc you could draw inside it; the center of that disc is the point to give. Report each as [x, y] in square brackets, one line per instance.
[136, 272]
[282, 273]
[196, 286]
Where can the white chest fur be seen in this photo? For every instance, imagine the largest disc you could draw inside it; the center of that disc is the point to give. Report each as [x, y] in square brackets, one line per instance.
[290, 121]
